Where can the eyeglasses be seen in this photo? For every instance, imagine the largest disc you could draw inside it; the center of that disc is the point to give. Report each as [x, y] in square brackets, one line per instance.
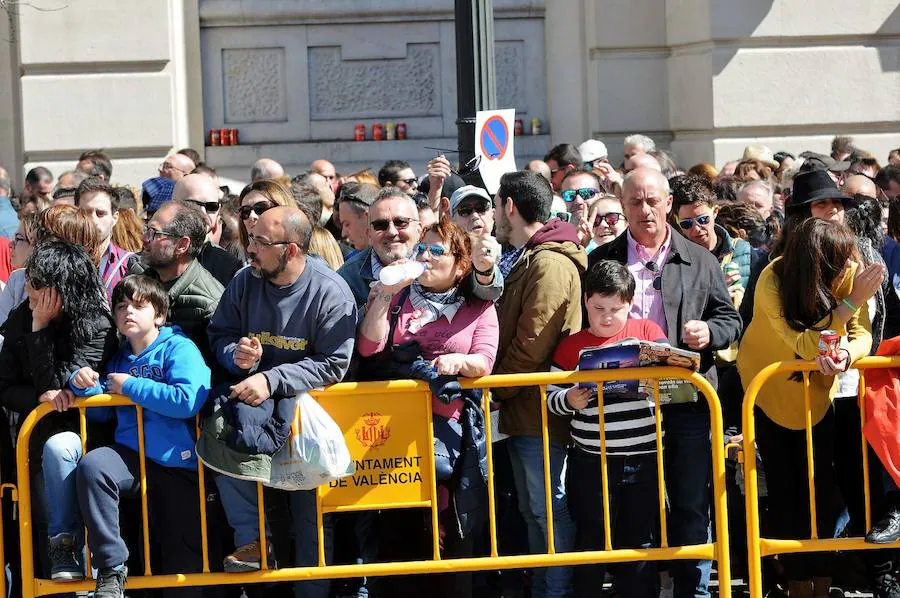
[400, 223]
[688, 223]
[434, 250]
[611, 218]
[259, 208]
[167, 166]
[150, 234]
[413, 182]
[211, 207]
[470, 209]
[657, 275]
[264, 243]
[586, 193]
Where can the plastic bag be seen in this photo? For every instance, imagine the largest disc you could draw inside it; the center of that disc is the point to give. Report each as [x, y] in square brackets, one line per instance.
[315, 453]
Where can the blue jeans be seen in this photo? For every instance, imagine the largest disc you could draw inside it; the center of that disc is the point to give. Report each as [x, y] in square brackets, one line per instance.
[239, 500]
[60, 457]
[688, 473]
[527, 458]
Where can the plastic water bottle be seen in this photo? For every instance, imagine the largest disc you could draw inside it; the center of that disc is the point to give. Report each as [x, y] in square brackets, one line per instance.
[397, 273]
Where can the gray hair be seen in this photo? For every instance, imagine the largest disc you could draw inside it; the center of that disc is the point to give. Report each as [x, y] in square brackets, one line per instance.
[648, 144]
[393, 193]
[188, 221]
[754, 185]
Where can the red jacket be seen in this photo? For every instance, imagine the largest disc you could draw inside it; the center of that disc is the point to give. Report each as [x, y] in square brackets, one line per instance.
[5, 259]
[882, 428]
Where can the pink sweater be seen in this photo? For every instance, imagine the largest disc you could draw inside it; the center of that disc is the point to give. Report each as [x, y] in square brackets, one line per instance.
[474, 330]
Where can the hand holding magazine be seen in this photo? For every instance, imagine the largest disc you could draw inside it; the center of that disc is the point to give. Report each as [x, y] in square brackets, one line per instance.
[631, 353]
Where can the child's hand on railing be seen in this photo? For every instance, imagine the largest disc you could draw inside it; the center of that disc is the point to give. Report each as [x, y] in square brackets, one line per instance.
[85, 378]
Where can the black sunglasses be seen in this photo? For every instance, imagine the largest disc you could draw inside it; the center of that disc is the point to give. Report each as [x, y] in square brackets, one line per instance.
[399, 223]
[470, 209]
[211, 207]
[657, 275]
[259, 208]
[611, 218]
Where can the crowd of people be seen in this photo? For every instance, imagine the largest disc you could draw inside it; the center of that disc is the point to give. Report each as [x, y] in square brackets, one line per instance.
[190, 300]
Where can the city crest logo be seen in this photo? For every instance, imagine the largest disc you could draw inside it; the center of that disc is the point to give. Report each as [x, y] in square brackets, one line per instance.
[373, 432]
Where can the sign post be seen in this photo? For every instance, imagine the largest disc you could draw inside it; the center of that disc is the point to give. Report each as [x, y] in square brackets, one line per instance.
[494, 144]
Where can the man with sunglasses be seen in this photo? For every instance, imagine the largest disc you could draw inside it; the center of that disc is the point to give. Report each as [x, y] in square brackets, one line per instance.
[579, 189]
[284, 326]
[680, 287]
[394, 231]
[200, 191]
[399, 174]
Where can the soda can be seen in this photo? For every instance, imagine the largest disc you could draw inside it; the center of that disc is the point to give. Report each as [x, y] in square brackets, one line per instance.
[214, 138]
[225, 136]
[378, 132]
[535, 126]
[234, 137]
[401, 130]
[359, 132]
[518, 127]
[389, 130]
[829, 343]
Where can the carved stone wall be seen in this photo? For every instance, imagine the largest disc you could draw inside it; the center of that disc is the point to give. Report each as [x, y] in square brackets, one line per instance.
[254, 85]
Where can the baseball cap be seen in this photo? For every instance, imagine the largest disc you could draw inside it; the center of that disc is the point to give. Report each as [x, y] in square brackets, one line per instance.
[813, 161]
[464, 192]
[156, 192]
[592, 149]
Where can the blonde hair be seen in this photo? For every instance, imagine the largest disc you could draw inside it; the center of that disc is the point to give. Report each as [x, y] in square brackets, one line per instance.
[323, 245]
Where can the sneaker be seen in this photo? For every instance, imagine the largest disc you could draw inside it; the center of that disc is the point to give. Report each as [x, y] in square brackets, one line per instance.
[111, 582]
[887, 530]
[64, 565]
[247, 558]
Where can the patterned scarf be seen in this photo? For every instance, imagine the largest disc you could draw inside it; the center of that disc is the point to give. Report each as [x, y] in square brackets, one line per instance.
[509, 259]
[433, 305]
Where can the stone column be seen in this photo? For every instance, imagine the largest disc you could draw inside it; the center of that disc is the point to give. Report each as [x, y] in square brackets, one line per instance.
[10, 131]
[110, 76]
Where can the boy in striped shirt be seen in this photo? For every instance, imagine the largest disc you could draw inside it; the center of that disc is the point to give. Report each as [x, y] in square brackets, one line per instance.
[630, 432]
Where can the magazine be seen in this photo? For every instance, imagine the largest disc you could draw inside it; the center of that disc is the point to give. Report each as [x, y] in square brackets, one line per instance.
[632, 353]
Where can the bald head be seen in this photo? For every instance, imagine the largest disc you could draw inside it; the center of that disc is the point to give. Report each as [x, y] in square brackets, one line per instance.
[196, 187]
[287, 223]
[645, 177]
[859, 184]
[266, 168]
[176, 167]
[540, 167]
[642, 161]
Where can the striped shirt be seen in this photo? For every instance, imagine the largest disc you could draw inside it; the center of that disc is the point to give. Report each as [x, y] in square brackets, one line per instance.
[630, 423]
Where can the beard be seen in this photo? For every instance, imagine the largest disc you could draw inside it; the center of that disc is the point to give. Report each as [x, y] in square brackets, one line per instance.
[160, 258]
[270, 274]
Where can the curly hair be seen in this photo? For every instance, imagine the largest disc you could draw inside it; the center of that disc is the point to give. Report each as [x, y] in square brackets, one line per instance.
[69, 270]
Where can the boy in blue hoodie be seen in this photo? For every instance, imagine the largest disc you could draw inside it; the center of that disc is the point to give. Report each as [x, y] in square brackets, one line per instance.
[161, 370]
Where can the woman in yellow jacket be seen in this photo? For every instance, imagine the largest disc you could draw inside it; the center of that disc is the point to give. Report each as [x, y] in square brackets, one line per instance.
[815, 285]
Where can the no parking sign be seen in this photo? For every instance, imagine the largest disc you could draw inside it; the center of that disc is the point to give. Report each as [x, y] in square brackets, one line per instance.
[494, 143]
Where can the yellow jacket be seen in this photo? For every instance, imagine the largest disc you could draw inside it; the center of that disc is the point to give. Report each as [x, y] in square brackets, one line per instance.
[769, 339]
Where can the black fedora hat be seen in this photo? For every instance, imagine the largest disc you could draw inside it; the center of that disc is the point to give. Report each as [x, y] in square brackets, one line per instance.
[814, 186]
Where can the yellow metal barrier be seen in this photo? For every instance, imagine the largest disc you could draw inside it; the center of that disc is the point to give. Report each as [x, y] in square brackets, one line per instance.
[365, 426]
[758, 547]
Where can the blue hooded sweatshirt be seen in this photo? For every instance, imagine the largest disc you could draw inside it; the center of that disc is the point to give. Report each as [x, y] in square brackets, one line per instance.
[170, 380]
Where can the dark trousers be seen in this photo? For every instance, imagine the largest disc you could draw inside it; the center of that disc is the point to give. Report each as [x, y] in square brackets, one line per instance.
[783, 453]
[633, 512]
[108, 474]
[688, 467]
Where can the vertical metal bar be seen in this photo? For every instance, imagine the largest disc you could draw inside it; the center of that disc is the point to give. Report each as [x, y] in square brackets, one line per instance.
[660, 474]
[26, 546]
[751, 498]
[548, 499]
[2, 552]
[810, 466]
[489, 439]
[320, 527]
[201, 483]
[720, 499]
[867, 499]
[82, 425]
[435, 525]
[604, 471]
[144, 510]
[263, 540]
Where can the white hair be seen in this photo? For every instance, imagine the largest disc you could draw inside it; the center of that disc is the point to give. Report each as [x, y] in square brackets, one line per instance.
[788, 174]
[648, 144]
[756, 184]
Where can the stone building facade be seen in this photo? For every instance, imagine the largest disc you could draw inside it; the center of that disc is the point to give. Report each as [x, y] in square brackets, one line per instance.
[139, 78]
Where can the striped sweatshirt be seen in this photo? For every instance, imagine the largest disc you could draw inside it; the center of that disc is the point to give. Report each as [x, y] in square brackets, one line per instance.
[629, 419]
